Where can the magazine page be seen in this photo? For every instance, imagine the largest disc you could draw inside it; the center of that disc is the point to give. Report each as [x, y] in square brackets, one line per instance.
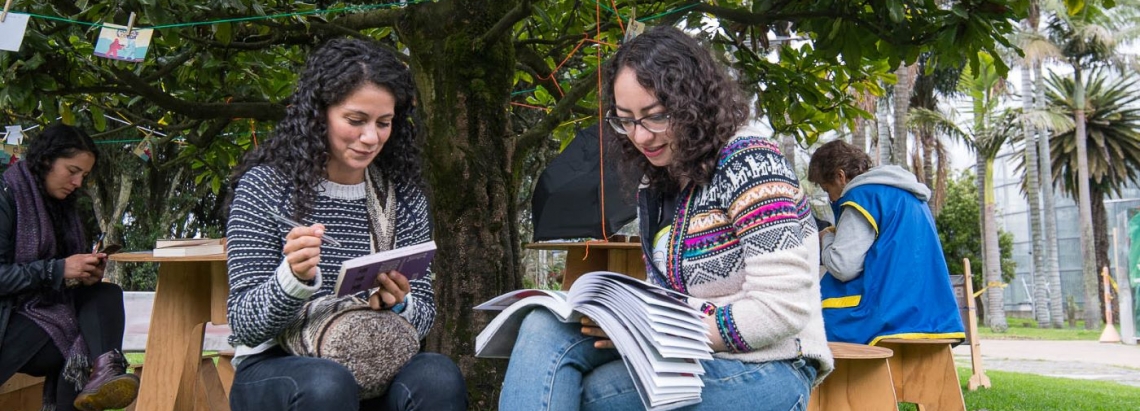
[501, 302]
[498, 338]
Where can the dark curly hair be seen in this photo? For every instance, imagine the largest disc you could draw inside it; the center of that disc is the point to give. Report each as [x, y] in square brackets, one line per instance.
[299, 146]
[55, 142]
[704, 103]
[837, 155]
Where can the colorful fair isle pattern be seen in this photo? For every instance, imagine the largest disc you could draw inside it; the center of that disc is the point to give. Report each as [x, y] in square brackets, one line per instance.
[753, 203]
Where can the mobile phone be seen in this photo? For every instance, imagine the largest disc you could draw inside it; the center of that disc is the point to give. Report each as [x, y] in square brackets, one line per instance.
[110, 249]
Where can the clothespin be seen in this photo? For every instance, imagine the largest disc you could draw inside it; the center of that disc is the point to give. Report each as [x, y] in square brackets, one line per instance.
[130, 24]
[634, 28]
[7, 6]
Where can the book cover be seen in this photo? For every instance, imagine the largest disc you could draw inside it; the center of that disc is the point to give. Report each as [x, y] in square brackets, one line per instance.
[185, 242]
[188, 251]
[661, 339]
[359, 274]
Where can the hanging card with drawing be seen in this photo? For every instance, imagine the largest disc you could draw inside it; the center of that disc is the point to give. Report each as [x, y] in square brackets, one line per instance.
[119, 43]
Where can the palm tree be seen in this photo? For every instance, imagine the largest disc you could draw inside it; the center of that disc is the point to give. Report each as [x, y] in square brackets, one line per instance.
[931, 158]
[985, 138]
[1049, 208]
[902, 91]
[1113, 133]
[1087, 35]
[1035, 49]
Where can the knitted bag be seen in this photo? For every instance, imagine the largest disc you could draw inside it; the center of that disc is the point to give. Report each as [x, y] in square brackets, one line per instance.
[372, 344]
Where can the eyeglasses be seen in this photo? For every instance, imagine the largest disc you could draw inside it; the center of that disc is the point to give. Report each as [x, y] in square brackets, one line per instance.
[655, 123]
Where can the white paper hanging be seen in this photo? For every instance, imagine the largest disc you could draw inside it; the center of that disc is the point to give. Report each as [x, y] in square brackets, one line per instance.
[15, 135]
[12, 31]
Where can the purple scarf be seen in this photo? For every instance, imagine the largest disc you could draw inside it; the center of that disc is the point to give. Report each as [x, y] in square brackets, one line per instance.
[53, 311]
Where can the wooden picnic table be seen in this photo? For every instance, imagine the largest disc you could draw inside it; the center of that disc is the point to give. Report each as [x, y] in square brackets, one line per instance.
[189, 292]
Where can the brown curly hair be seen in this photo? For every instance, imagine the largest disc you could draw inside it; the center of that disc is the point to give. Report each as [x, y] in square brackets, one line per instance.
[837, 155]
[704, 103]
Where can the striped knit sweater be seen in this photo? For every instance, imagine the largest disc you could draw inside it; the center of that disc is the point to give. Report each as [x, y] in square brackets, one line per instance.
[264, 294]
[744, 248]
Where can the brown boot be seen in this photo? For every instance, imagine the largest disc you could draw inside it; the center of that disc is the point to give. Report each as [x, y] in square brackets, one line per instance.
[110, 386]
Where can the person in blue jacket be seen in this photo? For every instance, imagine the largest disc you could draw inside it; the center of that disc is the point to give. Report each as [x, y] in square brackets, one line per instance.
[886, 274]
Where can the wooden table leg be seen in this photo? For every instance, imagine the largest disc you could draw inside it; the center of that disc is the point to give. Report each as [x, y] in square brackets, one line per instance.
[174, 342]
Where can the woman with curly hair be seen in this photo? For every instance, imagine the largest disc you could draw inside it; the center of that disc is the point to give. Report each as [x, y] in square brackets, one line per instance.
[345, 162]
[57, 318]
[725, 222]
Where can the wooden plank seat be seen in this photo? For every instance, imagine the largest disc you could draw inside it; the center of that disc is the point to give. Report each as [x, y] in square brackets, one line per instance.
[861, 381]
[924, 373]
[22, 392]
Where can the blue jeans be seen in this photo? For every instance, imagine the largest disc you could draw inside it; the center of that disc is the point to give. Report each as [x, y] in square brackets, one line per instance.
[275, 380]
[555, 367]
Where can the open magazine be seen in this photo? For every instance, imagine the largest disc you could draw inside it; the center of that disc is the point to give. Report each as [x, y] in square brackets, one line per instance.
[660, 338]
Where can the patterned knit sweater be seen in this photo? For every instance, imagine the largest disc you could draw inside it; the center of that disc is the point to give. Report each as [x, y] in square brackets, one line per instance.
[744, 248]
[264, 294]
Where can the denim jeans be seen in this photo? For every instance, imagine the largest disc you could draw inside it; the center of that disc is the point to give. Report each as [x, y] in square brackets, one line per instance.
[555, 367]
[277, 381]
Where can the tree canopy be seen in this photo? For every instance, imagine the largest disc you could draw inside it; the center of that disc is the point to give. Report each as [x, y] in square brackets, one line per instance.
[496, 80]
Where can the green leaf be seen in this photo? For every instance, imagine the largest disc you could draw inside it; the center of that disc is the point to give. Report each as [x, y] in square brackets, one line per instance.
[223, 32]
[98, 120]
[65, 113]
[896, 11]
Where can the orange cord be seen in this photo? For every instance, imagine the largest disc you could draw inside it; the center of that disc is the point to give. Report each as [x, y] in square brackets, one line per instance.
[601, 147]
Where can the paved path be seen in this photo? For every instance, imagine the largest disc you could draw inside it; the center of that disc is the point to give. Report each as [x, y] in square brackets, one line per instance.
[1068, 359]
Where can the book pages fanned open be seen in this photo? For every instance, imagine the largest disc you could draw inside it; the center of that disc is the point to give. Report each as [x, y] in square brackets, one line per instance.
[661, 339]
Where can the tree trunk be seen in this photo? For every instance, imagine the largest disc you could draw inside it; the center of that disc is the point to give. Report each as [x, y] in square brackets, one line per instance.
[882, 118]
[901, 105]
[1088, 253]
[788, 146]
[1032, 189]
[464, 88]
[859, 133]
[1100, 234]
[1049, 207]
[995, 295]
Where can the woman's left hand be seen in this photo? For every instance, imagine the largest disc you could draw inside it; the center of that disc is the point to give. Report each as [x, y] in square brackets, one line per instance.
[394, 288]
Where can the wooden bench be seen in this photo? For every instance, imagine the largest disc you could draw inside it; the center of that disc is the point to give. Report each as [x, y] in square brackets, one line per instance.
[22, 392]
[861, 381]
[923, 372]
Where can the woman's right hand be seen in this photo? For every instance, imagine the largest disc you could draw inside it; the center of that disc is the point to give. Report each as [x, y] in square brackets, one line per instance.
[82, 267]
[590, 328]
[303, 250]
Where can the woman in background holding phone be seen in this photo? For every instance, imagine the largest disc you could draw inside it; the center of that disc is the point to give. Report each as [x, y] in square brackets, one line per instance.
[57, 319]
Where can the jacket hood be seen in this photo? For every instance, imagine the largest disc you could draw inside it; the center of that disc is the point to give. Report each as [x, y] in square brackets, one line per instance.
[891, 175]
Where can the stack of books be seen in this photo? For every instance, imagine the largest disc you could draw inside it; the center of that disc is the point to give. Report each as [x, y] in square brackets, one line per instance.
[661, 339]
[187, 247]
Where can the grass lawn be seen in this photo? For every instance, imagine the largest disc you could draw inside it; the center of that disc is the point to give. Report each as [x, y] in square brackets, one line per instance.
[1021, 392]
[1017, 392]
[1026, 329]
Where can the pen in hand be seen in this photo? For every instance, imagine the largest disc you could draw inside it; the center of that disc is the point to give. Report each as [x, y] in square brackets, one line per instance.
[292, 223]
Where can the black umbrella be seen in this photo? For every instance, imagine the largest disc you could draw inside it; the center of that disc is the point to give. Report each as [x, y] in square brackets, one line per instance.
[566, 199]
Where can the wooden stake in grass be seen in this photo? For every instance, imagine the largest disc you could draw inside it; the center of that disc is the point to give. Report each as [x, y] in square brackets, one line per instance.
[1109, 335]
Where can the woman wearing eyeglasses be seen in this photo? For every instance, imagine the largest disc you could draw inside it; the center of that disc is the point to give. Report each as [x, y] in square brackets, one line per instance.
[725, 223]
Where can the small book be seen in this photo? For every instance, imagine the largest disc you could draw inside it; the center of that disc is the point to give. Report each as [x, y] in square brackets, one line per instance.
[359, 274]
[661, 339]
[188, 247]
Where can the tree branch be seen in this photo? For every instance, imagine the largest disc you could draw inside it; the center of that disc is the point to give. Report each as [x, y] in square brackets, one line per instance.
[534, 136]
[370, 20]
[201, 111]
[504, 25]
